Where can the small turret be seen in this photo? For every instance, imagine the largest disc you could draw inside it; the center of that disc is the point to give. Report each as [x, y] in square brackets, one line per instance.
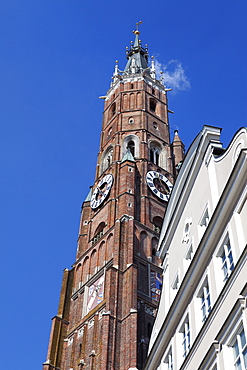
[178, 150]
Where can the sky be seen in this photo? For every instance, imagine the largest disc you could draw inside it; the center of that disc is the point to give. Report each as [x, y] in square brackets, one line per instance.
[57, 57]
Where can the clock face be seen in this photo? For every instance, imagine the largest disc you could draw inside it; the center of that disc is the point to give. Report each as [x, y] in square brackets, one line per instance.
[102, 190]
[159, 184]
[95, 294]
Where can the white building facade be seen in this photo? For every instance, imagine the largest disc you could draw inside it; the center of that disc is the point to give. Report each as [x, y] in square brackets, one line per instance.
[202, 317]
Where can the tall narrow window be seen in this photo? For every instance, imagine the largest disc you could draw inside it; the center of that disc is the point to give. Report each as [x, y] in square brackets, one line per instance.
[131, 147]
[157, 221]
[113, 110]
[185, 331]
[203, 224]
[205, 220]
[240, 351]
[204, 296]
[175, 283]
[226, 258]
[155, 153]
[107, 159]
[152, 105]
[168, 360]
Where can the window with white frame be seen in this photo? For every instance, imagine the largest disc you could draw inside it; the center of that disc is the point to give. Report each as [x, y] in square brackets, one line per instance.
[188, 256]
[175, 283]
[240, 350]
[185, 331]
[203, 223]
[225, 253]
[204, 296]
[168, 361]
[189, 253]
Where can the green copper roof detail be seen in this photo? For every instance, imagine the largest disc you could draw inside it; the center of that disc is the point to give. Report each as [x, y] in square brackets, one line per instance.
[89, 196]
[128, 157]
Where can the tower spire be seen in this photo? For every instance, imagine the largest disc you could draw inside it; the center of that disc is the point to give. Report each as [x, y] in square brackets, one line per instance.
[137, 56]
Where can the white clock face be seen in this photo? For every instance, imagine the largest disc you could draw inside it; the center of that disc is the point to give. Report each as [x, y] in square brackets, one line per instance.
[102, 190]
[159, 184]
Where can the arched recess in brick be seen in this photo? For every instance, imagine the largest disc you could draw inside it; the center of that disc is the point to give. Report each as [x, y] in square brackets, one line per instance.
[157, 222]
[125, 102]
[152, 105]
[154, 243]
[107, 159]
[85, 269]
[144, 244]
[109, 247]
[137, 242]
[112, 110]
[99, 232]
[78, 276]
[127, 140]
[139, 100]
[93, 262]
[132, 101]
[101, 255]
[157, 154]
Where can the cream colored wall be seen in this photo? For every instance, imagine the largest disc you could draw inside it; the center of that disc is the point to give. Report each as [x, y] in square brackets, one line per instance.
[206, 191]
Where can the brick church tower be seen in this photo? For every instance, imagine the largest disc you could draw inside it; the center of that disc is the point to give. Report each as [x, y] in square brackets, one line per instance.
[110, 295]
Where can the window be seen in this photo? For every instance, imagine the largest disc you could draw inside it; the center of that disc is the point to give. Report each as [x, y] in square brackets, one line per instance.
[204, 296]
[240, 351]
[131, 144]
[175, 283]
[225, 254]
[157, 221]
[113, 110]
[154, 153]
[152, 104]
[203, 223]
[205, 219]
[131, 147]
[168, 360]
[188, 256]
[107, 159]
[98, 233]
[189, 253]
[185, 331]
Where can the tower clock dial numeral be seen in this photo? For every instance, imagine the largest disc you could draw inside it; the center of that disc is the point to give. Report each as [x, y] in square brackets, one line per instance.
[102, 190]
[159, 184]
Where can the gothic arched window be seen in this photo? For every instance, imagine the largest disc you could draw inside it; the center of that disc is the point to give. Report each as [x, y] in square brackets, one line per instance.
[131, 143]
[157, 221]
[154, 152]
[99, 232]
[107, 159]
[113, 110]
[131, 147]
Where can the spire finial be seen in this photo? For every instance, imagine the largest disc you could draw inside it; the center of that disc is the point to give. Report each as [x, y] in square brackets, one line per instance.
[137, 55]
[137, 32]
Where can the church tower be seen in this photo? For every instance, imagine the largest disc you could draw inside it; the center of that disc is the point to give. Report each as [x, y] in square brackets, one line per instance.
[110, 295]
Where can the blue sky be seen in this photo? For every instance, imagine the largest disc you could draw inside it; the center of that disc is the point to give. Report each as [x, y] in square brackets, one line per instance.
[57, 58]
